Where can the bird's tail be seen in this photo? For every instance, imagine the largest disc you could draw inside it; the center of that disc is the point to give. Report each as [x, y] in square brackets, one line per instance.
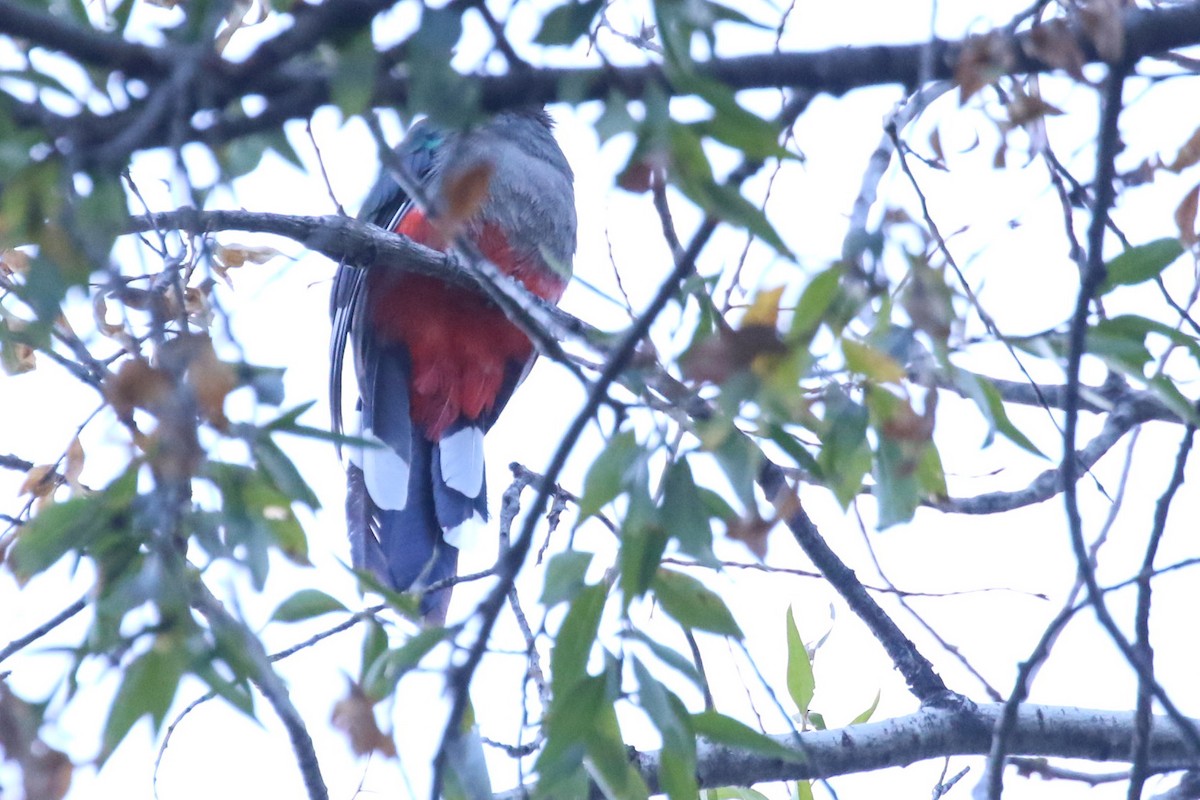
[416, 547]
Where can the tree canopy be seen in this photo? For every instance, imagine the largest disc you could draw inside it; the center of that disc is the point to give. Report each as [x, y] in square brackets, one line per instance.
[822, 375]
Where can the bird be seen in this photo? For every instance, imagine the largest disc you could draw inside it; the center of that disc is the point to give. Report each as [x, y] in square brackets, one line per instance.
[435, 363]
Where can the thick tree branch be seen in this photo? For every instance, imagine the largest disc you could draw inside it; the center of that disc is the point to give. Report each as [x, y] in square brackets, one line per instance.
[924, 682]
[93, 47]
[293, 87]
[350, 241]
[1046, 731]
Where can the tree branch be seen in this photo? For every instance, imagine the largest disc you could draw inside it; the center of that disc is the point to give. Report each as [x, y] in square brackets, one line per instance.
[1047, 731]
[268, 682]
[294, 88]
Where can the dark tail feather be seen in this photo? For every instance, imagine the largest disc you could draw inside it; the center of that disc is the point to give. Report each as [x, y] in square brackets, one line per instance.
[404, 549]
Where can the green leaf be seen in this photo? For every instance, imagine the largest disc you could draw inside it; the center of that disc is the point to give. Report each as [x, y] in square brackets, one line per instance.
[565, 574]
[814, 302]
[147, 690]
[736, 793]
[671, 658]
[1133, 328]
[55, 531]
[792, 446]
[895, 487]
[1141, 263]
[693, 605]
[236, 693]
[573, 645]
[434, 86]
[684, 514]
[374, 645]
[75, 526]
[739, 459]
[866, 715]
[643, 540]
[725, 730]
[570, 722]
[386, 671]
[567, 22]
[677, 765]
[985, 395]
[306, 604]
[845, 455]
[800, 681]
[608, 756]
[865, 360]
[353, 78]
[467, 774]
[283, 473]
[607, 476]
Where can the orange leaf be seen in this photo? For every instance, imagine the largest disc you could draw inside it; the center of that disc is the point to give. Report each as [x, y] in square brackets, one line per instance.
[751, 532]
[354, 716]
[211, 379]
[464, 193]
[137, 385]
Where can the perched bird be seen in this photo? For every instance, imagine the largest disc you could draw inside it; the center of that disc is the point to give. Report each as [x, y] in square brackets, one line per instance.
[436, 363]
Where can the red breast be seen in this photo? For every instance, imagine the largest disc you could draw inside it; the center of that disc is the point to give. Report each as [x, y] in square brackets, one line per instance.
[460, 343]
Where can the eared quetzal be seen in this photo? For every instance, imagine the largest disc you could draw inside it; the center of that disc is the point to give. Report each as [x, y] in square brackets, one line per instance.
[435, 363]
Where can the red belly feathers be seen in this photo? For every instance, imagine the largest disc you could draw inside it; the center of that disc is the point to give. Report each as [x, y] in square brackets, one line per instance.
[460, 344]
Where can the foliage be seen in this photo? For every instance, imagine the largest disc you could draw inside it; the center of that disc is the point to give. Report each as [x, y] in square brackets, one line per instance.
[843, 375]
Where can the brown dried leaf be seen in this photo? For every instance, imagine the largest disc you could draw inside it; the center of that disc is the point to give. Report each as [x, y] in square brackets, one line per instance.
[14, 262]
[235, 256]
[1027, 108]
[752, 532]
[1188, 155]
[354, 716]
[137, 385]
[211, 379]
[1053, 42]
[983, 60]
[100, 315]
[139, 299]
[935, 144]
[46, 772]
[1185, 218]
[1104, 23]
[637, 177]
[1142, 174]
[906, 425]
[40, 482]
[730, 351]
[17, 357]
[464, 193]
[74, 465]
[18, 725]
[1000, 158]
